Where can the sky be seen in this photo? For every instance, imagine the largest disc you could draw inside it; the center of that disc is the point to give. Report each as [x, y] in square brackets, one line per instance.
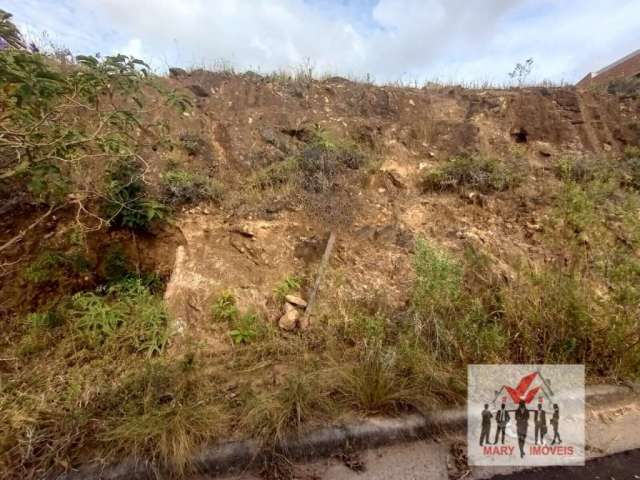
[470, 41]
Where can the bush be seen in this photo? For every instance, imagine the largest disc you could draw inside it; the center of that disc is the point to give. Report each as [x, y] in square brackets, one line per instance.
[631, 167]
[43, 320]
[479, 173]
[127, 315]
[127, 203]
[53, 265]
[224, 308]
[287, 286]
[322, 159]
[182, 187]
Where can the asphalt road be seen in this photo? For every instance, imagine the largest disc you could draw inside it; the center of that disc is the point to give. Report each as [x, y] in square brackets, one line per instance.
[621, 466]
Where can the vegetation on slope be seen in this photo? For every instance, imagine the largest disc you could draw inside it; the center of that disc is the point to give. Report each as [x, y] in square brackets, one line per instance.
[94, 371]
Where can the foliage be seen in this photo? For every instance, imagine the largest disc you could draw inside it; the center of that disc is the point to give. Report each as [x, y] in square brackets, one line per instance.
[245, 329]
[43, 320]
[127, 314]
[373, 384]
[522, 71]
[9, 32]
[631, 167]
[224, 308]
[51, 265]
[287, 286]
[182, 187]
[127, 204]
[479, 173]
[62, 124]
[322, 158]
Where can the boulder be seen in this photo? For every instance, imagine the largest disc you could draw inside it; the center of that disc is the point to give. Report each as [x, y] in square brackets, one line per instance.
[289, 321]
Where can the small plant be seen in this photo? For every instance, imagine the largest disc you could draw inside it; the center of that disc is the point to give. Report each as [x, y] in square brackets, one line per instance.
[286, 287]
[631, 166]
[116, 264]
[44, 267]
[49, 266]
[576, 207]
[373, 385]
[245, 329]
[479, 173]
[274, 415]
[584, 169]
[182, 187]
[225, 309]
[129, 314]
[522, 71]
[127, 203]
[43, 320]
[192, 143]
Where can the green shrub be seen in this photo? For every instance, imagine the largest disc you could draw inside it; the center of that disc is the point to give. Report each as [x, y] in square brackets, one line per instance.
[127, 204]
[373, 384]
[479, 173]
[128, 314]
[192, 143]
[224, 308]
[580, 169]
[182, 187]
[52, 265]
[245, 328]
[631, 167]
[43, 320]
[576, 207]
[277, 174]
[437, 286]
[286, 287]
[116, 265]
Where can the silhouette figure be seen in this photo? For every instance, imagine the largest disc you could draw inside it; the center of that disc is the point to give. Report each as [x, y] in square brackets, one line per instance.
[522, 425]
[540, 422]
[486, 424]
[502, 417]
[555, 420]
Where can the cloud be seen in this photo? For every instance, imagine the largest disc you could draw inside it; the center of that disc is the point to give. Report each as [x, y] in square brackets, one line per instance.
[472, 40]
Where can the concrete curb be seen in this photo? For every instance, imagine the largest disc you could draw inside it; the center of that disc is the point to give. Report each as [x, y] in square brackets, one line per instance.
[373, 432]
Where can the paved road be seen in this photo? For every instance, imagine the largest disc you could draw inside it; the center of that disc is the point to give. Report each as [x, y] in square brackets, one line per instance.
[621, 466]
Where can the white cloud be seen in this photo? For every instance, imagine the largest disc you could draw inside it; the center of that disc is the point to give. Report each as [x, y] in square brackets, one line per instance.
[391, 39]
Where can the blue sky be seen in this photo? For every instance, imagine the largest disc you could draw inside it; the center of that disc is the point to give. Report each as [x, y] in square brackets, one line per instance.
[391, 40]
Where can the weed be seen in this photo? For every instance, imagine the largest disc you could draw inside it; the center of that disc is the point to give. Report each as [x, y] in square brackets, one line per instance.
[479, 173]
[51, 265]
[192, 143]
[272, 416]
[44, 320]
[127, 315]
[182, 187]
[116, 265]
[44, 267]
[286, 287]
[576, 207]
[245, 329]
[373, 385]
[224, 308]
[631, 167]
[127, 204]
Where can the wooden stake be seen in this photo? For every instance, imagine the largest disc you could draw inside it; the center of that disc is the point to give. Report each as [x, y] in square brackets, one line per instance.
[304, 322]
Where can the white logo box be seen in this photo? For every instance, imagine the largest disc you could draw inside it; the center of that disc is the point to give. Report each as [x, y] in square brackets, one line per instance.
[536, 433]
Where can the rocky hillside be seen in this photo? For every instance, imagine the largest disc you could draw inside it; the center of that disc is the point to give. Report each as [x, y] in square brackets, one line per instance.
[160, 239]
